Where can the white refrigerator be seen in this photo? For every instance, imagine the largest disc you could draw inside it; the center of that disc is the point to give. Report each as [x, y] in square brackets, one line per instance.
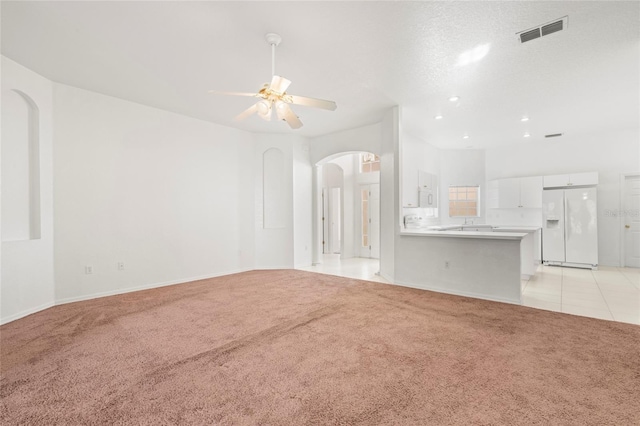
[570, 227]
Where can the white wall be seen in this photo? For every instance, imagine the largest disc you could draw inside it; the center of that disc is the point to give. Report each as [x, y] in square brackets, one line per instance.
[361, 139]
[302, 202]
[170, 196]
[27, 279]
[609, 154]
[390, 206]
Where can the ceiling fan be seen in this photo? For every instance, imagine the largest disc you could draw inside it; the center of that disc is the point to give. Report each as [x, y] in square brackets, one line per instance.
[273, 96]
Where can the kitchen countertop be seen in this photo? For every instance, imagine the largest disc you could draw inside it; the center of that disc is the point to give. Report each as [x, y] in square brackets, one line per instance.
[516, 228]
[502, 235]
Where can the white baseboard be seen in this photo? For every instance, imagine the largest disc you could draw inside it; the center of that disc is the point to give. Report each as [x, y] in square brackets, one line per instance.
[26, 312]
[113, 293]
[145, 287]
[459, 293]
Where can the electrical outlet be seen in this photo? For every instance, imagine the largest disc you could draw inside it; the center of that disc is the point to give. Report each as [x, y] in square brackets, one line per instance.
[120, 266]
[446, 264]
[88, 269]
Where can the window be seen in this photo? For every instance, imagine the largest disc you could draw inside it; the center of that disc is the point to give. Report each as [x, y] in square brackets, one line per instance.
[464, 201]
[369, 163]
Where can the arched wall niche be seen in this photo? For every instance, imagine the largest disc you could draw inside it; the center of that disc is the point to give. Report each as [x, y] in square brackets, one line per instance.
[21, 216]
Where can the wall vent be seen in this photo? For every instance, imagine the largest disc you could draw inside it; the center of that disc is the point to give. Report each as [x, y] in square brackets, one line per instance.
[543, 30]
[553, 135]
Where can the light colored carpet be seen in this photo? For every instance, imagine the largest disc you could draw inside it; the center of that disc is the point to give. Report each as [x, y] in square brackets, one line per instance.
[294, 347]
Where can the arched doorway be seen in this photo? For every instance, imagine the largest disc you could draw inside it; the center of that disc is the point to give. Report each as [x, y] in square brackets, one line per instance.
[347, 201]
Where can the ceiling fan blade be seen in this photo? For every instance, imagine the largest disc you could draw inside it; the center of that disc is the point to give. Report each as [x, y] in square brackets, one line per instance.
[312, 102]
[247, 112]
[218, 92]
[279, 84]
[284, 112]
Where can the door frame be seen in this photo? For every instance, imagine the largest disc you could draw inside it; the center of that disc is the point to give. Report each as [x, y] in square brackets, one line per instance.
[623, 178]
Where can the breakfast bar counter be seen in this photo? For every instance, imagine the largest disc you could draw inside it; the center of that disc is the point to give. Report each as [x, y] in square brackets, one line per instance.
[485, 265]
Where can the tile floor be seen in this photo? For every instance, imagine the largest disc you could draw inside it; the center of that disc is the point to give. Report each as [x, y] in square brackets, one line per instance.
[356, 267]
[609, 293]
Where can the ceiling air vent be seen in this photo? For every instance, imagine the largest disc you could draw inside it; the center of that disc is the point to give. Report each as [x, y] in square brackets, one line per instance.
[553, 135]
[551, 28]
[530, 35]
[543, 30]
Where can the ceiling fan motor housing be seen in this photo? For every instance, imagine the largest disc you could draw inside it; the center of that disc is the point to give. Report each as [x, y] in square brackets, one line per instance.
[273, 38]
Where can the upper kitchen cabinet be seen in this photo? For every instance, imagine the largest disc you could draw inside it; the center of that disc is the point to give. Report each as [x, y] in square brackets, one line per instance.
[512, 193]
[424, 194]
[410, 190]
[531, 192]
[428, 189]
[427, 181]
[574, 179]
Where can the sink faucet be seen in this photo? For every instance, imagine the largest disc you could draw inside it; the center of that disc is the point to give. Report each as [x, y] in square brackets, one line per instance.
[470, 221]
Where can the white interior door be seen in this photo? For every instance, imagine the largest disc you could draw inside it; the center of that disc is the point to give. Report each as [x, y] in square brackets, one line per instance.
[335, 227]
[374, 224]
[370, 221]
[631, 216]
[364, 221]
[325, 220]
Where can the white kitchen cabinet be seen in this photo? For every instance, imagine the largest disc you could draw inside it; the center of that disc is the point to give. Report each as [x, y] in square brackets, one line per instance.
[573, 179]
[428, 189]
[509, 193]
[410, 190]
[427, 181]
[531, 192]
[513, 193]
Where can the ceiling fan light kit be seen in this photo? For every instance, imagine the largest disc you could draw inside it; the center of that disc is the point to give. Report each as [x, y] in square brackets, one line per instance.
[274, 95]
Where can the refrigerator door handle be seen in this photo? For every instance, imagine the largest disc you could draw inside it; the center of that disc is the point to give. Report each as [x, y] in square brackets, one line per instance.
[566, 222]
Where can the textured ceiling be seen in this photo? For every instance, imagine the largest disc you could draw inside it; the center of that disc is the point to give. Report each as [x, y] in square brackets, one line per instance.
[366, 56]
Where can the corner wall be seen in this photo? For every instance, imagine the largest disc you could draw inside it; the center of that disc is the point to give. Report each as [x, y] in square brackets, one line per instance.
[169, 196]
[26, 281]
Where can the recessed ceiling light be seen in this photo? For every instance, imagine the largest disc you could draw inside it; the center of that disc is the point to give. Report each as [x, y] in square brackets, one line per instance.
[454, 98]
[438, 117]
[465, 137]
[524, 119]
[526, 135]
